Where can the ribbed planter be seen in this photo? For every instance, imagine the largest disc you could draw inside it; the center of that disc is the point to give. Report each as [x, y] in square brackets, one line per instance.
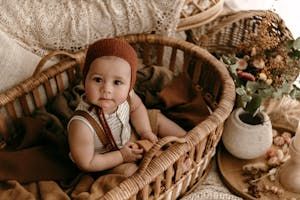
[246, 137]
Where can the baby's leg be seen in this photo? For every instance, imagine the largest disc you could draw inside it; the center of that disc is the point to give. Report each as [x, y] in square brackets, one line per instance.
[167, 127]
[125, 169]
[162, 126]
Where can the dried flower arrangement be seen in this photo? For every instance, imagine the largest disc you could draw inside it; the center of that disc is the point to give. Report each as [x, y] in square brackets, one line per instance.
[261, 71]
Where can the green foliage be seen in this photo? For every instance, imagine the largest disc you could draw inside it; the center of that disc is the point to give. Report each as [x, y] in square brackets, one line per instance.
[253, 105]
[296, 44]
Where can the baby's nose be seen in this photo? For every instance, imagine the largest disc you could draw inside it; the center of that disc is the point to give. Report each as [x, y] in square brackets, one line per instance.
[107, 88]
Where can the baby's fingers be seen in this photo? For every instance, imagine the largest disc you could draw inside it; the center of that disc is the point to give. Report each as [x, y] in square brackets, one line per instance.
[139, 156]
[137, 151]
[154, 139]
[130, 144]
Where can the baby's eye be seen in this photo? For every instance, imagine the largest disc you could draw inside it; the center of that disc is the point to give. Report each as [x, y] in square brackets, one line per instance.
[118, 82]
[97, 79]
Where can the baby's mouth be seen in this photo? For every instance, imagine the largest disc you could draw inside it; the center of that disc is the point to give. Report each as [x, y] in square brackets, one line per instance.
[104, 99]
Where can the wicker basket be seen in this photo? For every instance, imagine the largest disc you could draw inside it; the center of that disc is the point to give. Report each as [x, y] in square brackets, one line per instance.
[198, 12]
[227, 33]
[160, 174]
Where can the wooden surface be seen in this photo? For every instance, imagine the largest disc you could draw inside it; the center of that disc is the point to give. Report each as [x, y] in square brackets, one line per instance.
[231, 172]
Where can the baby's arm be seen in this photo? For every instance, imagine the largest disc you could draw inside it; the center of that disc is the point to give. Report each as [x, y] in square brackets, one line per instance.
[140, 120]
[81, 143]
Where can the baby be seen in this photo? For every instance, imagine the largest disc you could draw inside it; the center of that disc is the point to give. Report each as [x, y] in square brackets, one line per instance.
[100, 132]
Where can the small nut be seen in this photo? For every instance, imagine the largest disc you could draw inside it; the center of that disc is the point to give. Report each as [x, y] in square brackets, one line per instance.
[285, 158]
[271, 153]
[278, 58]
[285, 148]
[259, 63]
[253, 51]
[287, 137]
[272, 177]
[280, 154]
[273, 161]
[262, 76]
[279, 141]
[286, 134]
[269, 81]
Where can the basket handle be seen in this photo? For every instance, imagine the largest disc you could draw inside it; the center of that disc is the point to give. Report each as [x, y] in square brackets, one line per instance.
[52, 54]
[156, 147]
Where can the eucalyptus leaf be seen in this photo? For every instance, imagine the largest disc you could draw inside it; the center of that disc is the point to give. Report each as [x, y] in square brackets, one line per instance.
[296, 44]
[265, 93]
[296, 54]
[240, 91]
[289, 44]
[240, 102]
[233, 68]
[246, 98]
[277, 94]
[254, 104]
[252, 86]
[286, 88]
[295, 93]
[226, 60]
[296, 83]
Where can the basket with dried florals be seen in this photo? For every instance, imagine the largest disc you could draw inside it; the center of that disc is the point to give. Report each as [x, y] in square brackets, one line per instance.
[259, 51]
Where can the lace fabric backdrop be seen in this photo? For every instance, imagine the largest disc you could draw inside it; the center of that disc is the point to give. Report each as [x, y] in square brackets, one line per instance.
[40, 26]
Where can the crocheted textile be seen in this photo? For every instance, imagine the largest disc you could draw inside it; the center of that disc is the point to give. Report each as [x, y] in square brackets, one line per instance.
[284, 113]
[212, 188]
[45, 25]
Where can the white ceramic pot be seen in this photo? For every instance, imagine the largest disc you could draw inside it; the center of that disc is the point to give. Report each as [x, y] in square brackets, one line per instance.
[244, 140]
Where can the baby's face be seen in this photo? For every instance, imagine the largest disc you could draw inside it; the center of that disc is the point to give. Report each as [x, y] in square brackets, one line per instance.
[107, 83]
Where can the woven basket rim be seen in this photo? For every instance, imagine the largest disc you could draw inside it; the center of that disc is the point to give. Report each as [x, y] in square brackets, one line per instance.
[236, 16]
[201, 18]
[222, 36]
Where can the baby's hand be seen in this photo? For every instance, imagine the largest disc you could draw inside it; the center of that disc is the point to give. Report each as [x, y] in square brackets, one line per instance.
[149, 136]
[131, 152]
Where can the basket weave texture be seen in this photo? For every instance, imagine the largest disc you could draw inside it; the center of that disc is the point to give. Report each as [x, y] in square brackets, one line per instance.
[159, 174]
[198, 12]
[228, 33]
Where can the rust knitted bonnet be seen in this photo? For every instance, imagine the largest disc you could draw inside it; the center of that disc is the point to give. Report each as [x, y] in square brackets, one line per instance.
[111, 47]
